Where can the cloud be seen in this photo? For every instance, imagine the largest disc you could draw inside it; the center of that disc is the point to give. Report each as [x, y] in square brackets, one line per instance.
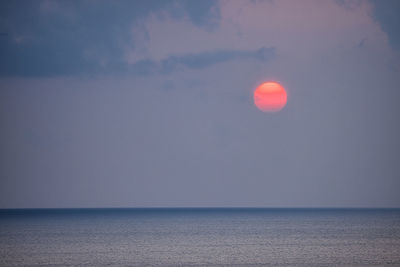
[251, 25]
[386, 13]
[202, 60]
[361, 43]
[205, 13]
[52, 38]
[205, 59]
[85, 37]
[196, 61]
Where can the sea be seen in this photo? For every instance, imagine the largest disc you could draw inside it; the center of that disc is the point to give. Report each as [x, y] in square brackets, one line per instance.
[200, 237]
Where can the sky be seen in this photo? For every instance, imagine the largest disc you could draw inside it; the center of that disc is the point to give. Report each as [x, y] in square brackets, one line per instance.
[150, 104]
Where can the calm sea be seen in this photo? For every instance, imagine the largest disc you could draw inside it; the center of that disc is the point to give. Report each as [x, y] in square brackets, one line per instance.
[200, 237]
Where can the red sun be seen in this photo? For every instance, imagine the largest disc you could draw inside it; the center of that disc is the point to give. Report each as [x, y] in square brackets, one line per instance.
[270, 97]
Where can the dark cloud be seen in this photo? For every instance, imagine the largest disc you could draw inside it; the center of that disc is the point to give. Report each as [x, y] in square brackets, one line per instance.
[206, 59]
[77, 37]
[203, 13]
[386, 13]
[197, 61]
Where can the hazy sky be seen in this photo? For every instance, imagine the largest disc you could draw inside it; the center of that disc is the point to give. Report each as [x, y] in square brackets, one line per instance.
[149, 103]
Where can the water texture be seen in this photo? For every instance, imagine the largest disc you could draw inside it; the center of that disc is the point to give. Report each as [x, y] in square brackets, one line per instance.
[200, 237]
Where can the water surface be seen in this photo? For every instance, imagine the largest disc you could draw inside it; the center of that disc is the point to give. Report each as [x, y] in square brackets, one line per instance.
[200, 237]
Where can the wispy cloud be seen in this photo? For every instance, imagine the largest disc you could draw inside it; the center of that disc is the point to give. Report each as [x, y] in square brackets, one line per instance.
[209, 58]
[198, 61]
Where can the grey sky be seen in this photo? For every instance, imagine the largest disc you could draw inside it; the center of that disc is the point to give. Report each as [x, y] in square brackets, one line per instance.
[149, 103]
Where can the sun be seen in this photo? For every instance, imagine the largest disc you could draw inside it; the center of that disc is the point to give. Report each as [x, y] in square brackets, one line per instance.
[270, 97]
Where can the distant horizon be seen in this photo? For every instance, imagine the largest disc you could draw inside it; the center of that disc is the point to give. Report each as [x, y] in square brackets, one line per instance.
[204, 207]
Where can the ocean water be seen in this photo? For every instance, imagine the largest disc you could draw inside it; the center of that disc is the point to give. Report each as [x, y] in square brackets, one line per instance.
[200, 237]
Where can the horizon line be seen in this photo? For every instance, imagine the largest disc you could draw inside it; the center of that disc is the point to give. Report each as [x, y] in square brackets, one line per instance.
[194, 207]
